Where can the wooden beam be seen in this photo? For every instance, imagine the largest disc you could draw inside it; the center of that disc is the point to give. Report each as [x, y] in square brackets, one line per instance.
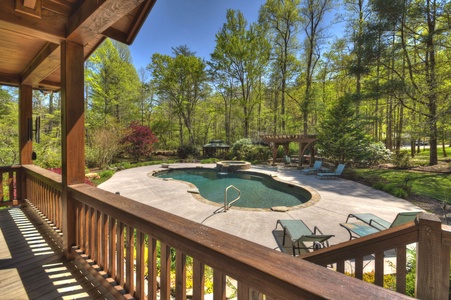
[95, 17]
[30, 7]
[49, 27]
[139, 20]
[45, 63]
[8, 79]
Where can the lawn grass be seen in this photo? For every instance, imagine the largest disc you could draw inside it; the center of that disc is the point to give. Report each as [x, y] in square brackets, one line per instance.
[430, 184]
[433, 185]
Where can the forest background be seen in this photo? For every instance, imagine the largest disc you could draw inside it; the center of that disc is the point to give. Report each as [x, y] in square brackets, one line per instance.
[384, 85]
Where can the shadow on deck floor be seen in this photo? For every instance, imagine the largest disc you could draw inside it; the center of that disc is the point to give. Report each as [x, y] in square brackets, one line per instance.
[32, 265]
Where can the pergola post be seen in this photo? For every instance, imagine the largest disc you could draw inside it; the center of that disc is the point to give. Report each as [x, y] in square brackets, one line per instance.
[73, 139]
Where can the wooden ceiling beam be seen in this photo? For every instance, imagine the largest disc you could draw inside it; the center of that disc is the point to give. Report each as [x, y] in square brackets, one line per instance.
[94, 17]
[47, 61]
[49, 27]
[8, 79]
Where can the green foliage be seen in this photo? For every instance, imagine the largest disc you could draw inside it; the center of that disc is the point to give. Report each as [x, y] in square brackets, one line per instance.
[113, 84]
[103, 146]
[341, 136]
[9, 131]
[181, 81]
[401, 159]
[244, 149]
[186, 151]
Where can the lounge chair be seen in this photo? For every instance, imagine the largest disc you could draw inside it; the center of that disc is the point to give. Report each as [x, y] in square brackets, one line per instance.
[314, 169]
[334, 174]
[370, 223]
[299, 234]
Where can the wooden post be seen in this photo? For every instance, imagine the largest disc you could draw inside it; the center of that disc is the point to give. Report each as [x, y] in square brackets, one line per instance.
[25, 143]
[25, 119]
[432, 272]
[73, 140]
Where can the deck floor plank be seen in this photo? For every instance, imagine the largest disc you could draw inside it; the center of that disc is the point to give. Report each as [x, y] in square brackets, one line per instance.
[32, 265]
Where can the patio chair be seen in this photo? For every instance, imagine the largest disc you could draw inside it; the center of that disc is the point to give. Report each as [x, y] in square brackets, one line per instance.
[314, 169]
[370, 223]
[300, 234]
[338, 171]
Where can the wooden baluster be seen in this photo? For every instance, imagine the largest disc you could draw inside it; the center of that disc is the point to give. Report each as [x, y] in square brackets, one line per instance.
[112, 232]
[152, 269]
[198, 279]
[87, 230]
[180, 275]
[165, 271]
[358, 265]
[243, 291]
[140, 246]
[120, 253]
[104, 235]
[401, 264]
[341, 266]
[2, 196]
[379, 268]
[130, 261]
[219, 285]
[11, 187]
[98, 235]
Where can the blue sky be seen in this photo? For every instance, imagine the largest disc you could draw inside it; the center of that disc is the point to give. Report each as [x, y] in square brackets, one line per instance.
[194, 23]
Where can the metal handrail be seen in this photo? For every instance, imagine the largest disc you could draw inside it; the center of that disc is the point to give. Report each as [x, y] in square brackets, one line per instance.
[227, 206]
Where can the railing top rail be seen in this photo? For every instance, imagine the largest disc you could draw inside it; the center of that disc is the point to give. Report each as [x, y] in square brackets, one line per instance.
[271, 272]
[48, 177]
[10, 168]
[391, 238]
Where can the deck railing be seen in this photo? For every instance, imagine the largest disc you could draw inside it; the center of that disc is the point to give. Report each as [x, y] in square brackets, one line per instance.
[122, 237]
[9, 181]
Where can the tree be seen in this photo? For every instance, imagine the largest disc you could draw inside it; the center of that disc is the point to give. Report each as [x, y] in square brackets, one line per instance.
[241, 54]
[9, 145]
[281, 20]
[313, 12]
[422, 29]
[114, 86]
[181, 80]
[341, 136]
[139, 141]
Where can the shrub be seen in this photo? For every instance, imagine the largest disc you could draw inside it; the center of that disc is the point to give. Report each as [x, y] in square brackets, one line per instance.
[185, 151]
[139, 141]
[402, 159]
[244, 150]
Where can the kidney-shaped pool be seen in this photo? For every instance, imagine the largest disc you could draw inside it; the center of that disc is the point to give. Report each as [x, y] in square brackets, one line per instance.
[257, 190]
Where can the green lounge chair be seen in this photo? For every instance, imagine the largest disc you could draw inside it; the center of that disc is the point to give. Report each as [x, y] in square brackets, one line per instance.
[299, 234]
[314, 169]
[370, 223]
[334, 175]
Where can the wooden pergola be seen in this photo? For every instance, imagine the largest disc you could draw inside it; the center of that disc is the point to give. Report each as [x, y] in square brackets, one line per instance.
[43, 46]
[305, 142]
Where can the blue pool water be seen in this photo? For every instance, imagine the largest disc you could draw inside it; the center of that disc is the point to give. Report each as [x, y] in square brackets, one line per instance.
[257, 190]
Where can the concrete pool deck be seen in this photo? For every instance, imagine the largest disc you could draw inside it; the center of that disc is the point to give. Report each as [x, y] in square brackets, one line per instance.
[338, 198]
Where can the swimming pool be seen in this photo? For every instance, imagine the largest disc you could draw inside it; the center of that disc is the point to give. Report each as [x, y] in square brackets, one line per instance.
[257, 190]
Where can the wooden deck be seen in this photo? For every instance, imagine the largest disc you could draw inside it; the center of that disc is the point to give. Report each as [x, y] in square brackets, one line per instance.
[32, 265]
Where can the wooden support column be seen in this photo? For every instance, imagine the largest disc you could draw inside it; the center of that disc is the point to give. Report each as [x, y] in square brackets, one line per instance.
[25, 143]
[25, 120]
[432, 272]
[73, 139]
